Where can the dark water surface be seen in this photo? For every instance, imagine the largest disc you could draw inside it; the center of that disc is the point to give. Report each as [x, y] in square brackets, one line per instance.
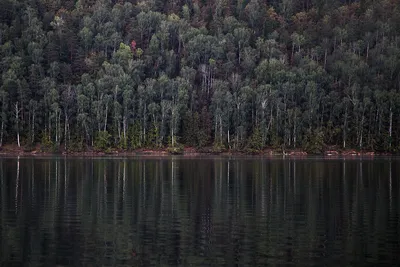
[199, 212]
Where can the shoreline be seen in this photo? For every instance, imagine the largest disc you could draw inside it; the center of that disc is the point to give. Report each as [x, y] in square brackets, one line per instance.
[12, 150]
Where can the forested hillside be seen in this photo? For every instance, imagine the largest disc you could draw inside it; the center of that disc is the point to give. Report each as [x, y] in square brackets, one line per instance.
[232, 74]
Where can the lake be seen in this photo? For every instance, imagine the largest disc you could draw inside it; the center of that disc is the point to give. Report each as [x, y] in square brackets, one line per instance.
[169, 211]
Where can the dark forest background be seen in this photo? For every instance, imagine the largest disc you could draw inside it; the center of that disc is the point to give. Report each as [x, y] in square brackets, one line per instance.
[228, 74]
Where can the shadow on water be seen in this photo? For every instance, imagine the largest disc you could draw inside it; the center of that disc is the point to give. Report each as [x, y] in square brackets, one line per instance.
[202, 212]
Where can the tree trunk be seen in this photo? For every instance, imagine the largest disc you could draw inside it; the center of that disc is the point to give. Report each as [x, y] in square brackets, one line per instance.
[294, 129]
[105, 119]
[229, 145]
[56, 128]
[162, 128]
[239, 53]
[390, 126]
[124, 128]
[119, 130]
[144, 124]
[2, 133]
[220, 129]
[172, 130]
[59, 128]
[361, 130]
[33, 128]
[215, 129]
[17, 122]
[292, 52]
[344, 128]
[65, 132]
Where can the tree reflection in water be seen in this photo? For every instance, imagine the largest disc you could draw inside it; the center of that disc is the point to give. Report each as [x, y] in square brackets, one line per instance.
[212, 211]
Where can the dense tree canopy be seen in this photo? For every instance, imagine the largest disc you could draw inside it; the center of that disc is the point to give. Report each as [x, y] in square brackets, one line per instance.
[226, 73]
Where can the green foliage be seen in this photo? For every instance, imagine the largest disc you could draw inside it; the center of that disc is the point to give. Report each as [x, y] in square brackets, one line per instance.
[47, 145]
[77, 144]
[191, 128]
[255, 140]
[153, 137]
[276, 140]
[102, 141]
[123, 143]
[203, 135]
[175, 150]
[139, 52]
[313, 141]
[124, 53]
[218, 147]
[134, 135]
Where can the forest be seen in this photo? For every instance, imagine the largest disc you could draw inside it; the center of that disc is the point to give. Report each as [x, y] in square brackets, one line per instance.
[239, 75]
